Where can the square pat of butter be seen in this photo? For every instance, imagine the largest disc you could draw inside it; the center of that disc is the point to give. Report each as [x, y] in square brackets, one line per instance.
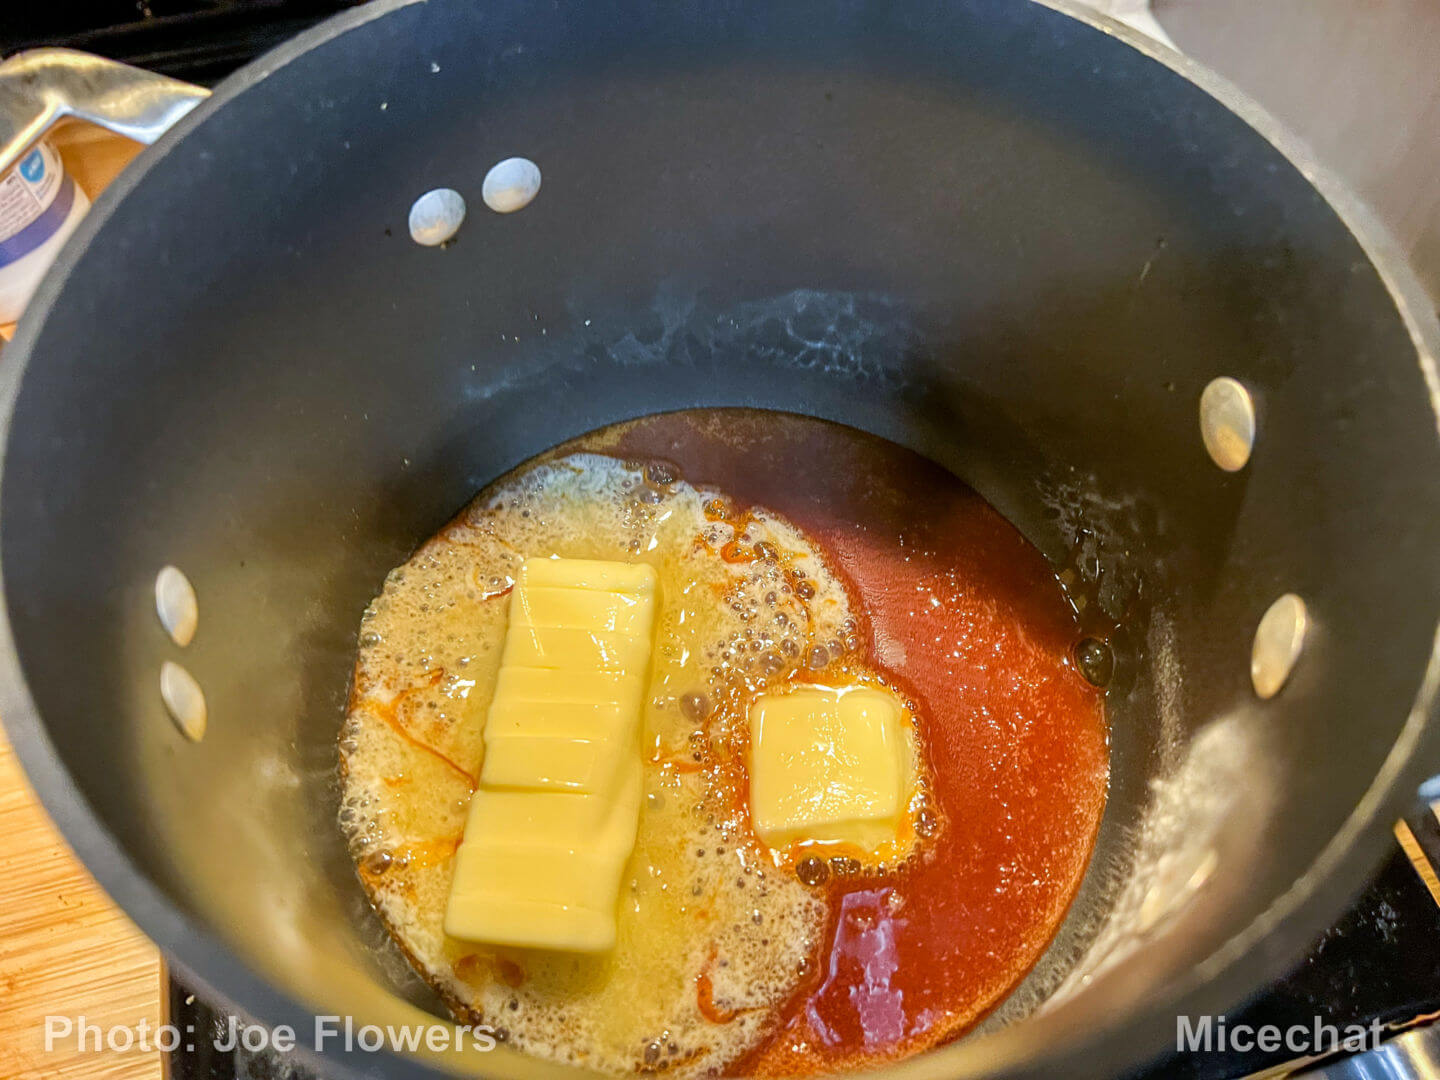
[826, 765]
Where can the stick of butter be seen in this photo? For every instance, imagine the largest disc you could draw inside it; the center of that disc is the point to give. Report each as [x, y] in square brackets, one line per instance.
[826, 766]
[553, 821]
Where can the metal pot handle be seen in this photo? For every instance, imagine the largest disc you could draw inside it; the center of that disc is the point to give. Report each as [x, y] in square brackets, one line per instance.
[42, 87]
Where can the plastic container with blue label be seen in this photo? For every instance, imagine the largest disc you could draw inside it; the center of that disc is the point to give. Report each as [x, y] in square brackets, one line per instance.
[40, 206]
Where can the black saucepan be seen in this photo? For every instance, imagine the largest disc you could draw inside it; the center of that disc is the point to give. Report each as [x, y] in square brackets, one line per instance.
[989, 230]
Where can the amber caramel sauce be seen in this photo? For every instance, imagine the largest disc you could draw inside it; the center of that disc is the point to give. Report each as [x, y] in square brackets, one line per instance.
[962, 615]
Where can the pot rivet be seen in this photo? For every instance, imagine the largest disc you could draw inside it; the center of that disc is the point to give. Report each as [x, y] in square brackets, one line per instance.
[436, 216]
[185, 700]
[176, 605]
[1227, 422]
[1278, 641]
[511, 185]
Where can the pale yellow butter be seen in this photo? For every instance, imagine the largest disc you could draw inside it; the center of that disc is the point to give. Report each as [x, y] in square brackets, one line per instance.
[542, 762]
[827, 766]
[635, 579]
[562, 745]
[581, 609]
[568, 648]
[553, 822]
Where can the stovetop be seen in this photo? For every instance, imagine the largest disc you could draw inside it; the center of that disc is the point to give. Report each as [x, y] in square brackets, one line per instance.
[1380, 961]
[200, 41]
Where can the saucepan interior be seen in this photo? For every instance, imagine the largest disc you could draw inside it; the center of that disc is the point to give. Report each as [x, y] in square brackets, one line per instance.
[985, 231]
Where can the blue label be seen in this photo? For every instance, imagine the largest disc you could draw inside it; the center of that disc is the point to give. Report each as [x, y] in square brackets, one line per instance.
[42, 228]
[33, 167]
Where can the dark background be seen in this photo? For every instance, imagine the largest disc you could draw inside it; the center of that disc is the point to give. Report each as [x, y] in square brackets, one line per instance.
[200, 41]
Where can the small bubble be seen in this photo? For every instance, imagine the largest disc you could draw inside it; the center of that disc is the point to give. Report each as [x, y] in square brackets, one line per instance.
[378, 862]
[818, 658]
[804, 590]
[844, 866]
[1096, 661]
[812, 871]
[926, 823]
[661, 473]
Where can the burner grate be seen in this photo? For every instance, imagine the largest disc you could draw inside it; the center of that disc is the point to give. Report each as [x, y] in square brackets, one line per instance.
[200, 41]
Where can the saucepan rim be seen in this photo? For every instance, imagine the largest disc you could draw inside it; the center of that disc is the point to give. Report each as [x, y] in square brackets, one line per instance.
[1266, 946]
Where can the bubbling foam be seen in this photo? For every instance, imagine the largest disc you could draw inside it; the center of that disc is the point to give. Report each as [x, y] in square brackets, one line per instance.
[712, 937]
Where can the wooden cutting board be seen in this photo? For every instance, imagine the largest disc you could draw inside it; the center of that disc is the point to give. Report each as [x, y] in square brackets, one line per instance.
[65, 951]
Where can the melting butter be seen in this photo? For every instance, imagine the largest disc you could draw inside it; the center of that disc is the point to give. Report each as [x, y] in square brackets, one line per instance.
[831, 766]
[539, 867]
